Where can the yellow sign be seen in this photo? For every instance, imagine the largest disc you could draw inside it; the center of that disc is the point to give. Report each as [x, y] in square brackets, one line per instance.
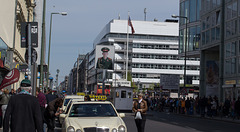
[98, 97]
[17, 66]
[80, 94]
[230, 82]
[0, 54]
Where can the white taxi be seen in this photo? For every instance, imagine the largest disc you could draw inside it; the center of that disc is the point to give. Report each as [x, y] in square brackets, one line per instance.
[68, 98]
[92, 116]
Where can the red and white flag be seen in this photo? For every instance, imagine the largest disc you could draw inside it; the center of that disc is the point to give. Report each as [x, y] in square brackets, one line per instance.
[10, 78]
[130, 24]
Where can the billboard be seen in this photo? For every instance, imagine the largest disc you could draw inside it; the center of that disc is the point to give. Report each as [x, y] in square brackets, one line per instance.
[169, 81]
[104, 58]
[212, 78]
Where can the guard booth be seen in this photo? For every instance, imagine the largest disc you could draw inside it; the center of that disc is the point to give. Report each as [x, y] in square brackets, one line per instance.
[122, 97]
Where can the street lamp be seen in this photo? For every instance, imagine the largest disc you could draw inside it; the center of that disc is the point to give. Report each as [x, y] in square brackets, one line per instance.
[60, 13]
[138, 82]
[185, 52]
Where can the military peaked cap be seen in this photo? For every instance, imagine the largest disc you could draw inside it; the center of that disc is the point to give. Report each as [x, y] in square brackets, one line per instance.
[105, 49]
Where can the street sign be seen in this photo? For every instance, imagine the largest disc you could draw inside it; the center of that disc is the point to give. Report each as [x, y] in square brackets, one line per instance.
[45, 68]
[33, 56]
[184, 92]
[34, 34]
[23, 67]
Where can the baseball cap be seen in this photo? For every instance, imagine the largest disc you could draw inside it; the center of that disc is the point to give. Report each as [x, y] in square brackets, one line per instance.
[25, 83]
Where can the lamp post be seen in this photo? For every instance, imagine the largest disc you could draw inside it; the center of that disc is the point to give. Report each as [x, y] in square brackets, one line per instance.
[138, 82]
[60, 13]
[185, 53]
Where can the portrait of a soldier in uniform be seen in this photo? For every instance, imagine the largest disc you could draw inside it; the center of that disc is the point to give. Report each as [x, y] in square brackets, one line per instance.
[105, 62]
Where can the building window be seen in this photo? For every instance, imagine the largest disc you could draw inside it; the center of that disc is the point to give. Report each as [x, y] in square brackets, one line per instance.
[212, 34]
[229, 12]
[192, 11]
[234, 9]
[203, 38]
[218, 17]
[207, 36]
[233, 66]
[198, 9]
[218, 33]
[230, 58]
[239, 65]
[192, 32]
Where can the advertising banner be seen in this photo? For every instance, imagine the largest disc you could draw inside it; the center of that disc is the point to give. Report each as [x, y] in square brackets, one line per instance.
[104, 58]
[212, 78]
[10, 78]
[169, 81]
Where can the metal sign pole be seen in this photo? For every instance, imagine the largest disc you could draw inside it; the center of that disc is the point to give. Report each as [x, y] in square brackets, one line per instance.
[29, 51]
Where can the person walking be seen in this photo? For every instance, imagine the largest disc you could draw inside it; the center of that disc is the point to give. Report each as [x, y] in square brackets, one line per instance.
[237, 108]
[140, 106]
[42, 101]
[50, 97]
[4, 102]
[51, 112]
[23, 112]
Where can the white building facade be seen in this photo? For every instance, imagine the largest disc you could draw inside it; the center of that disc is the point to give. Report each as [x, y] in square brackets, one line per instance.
[152, 51]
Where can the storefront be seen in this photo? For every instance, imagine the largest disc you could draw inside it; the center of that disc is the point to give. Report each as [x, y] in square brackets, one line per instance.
[231, 89]
[4, 65]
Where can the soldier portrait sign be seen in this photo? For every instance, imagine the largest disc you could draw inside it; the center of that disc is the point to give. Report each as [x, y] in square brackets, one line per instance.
[104, 57]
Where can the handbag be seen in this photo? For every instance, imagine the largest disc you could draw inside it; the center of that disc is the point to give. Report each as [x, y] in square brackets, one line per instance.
[138, 114]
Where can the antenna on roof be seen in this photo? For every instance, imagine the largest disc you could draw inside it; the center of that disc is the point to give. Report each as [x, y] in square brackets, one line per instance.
[145, 14]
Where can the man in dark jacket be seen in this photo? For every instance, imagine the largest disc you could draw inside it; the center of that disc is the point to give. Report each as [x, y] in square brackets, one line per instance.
[237, 108]
[51, 112]
[23, 112]
[50, 97]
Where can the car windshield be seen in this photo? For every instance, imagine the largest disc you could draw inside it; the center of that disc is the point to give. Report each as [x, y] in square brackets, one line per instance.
[92, 110]
[66, 102]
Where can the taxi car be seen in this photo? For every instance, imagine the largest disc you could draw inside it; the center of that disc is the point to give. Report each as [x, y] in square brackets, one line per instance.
[93, 116]
[69, 97]
[62, 116]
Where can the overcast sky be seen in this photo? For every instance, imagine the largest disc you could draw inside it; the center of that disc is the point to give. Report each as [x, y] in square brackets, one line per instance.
[75, 33]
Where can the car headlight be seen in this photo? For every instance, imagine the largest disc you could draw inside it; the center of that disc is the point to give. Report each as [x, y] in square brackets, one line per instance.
[78, 130]
[121, 128]
[114, 130]
[70, 129]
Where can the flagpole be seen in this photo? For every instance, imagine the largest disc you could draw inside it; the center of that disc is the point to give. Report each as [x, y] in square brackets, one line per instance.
[127, 47]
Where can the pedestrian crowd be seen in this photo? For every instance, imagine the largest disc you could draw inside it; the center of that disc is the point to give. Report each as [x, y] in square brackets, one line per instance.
[22, 112]
[203, 106]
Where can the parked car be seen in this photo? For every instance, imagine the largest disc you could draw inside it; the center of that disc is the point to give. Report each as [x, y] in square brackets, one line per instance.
[68, 98]
[61, 118]
[89, 116]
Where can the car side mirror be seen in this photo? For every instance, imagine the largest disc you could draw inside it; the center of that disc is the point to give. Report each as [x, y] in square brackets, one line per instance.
[122, 115]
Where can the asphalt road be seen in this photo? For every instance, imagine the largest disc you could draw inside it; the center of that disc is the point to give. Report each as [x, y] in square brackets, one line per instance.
[157, 122]
[167, 122]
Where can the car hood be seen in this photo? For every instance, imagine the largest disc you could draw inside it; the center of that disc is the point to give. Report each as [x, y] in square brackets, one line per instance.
[82, 122]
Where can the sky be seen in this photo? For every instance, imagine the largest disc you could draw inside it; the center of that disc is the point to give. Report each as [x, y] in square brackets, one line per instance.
[74, 34]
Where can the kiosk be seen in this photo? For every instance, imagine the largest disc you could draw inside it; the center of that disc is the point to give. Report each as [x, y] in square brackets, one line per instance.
[122, 97]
